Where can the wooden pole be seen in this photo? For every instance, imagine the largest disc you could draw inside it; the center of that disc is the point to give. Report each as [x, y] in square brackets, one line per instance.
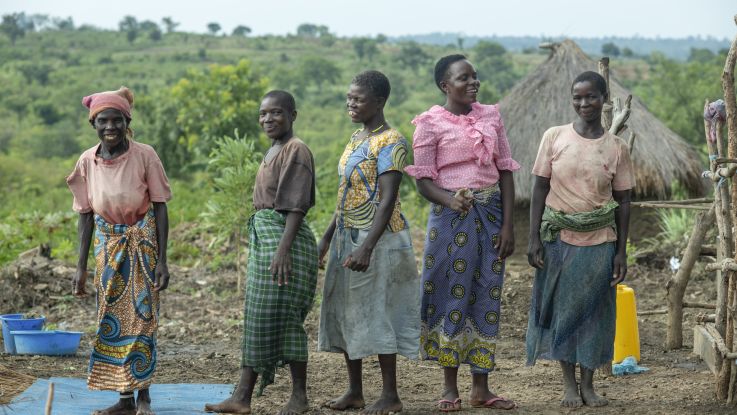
[677, 284]
[606, 113]
[49, 399]
[725, 381]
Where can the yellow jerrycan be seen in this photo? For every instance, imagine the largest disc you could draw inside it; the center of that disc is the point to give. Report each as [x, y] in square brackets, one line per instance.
[627, 337]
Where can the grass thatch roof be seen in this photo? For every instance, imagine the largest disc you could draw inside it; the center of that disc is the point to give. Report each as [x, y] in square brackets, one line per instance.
[543, 99]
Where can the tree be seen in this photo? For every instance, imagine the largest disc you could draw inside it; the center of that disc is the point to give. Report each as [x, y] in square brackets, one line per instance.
[63, 24]
[148, 25]
[627, 52]
[169, 24]
[700, 55]
[318, 70]
[307, 30]
[412, 55]
[459, 42]
[130, 26]
[155, 34]
[11, 27]
[213, 28]
[364, 47]
[241, 30]
[201, 107]
[609, 49]
[486, 49]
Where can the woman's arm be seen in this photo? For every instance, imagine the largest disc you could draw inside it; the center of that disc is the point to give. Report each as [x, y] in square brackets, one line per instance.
[161, 273]
[430, 191]
[281, 263]
[359, 259]
[324, 245]
[622, 222]
[85, 225]
[540, 191]
[505, 246]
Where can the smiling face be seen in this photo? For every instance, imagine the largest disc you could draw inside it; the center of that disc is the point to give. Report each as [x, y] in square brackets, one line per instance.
[275, 118]
[588, 101]
[111, 126]
[361, 104]
[461, 83]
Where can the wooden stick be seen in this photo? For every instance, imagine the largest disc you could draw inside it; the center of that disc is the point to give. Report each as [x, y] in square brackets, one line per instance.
[621, 114]
[631, 141]
[606, 113]
[670, 206]
[49, 399]
[726, 264]
[681, 202]
[687, 304]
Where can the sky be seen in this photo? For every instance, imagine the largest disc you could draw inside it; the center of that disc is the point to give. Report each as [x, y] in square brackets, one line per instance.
[571, 18]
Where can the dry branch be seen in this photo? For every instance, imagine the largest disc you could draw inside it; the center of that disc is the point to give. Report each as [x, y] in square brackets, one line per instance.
[621, 114]
[49, 399]
[670, 206]
[726, 264]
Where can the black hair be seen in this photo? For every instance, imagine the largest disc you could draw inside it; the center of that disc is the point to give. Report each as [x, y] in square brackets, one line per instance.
[441, 67]
[376, 82]
[284, 98]
[590, 76]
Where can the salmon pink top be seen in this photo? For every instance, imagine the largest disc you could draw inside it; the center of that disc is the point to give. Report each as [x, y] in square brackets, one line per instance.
[458, 151]
[120, 190]
[583, 173]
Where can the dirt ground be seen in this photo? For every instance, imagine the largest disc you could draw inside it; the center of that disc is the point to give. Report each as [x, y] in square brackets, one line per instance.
[200, 332]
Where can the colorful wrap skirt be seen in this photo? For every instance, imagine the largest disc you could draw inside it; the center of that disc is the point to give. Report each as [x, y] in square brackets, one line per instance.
[462, 278]
[376, 311]
[124, 350]
[273, 330]
[573, 310]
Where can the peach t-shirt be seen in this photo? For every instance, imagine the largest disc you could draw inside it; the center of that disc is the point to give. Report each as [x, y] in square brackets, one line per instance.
[583, 173]
[120, 190]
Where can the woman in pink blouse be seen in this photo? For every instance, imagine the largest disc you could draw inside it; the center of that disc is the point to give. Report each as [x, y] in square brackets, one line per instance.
[463, 166]
[120, 191]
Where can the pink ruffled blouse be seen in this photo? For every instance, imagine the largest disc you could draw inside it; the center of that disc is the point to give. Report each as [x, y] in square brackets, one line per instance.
[458, 151]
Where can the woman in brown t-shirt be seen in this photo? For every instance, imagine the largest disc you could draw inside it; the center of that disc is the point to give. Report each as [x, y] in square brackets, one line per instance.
[282, 263]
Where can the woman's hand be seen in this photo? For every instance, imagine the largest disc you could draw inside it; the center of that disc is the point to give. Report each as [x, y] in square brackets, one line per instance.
[461, 201]
[281, 267]
[620, 268]
[359, 259]
[161, 276]
[505, 244]
[322, 249]
[535, 253]
[78, 283]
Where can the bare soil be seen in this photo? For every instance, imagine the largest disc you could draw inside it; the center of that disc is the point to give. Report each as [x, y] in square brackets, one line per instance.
[201, 324]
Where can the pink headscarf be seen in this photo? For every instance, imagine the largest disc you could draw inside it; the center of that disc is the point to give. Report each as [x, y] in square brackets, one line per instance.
[122, 100]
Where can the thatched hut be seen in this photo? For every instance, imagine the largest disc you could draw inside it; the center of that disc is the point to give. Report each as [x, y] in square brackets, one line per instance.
[543, 99]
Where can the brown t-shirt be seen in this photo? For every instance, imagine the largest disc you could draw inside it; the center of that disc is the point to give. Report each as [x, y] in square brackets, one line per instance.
[286, 183]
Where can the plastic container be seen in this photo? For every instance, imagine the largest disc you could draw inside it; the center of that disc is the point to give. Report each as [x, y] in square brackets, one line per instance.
[627, 337]
[11, 324]
[53, 342]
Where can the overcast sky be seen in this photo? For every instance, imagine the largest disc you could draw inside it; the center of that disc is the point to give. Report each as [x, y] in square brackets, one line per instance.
[573, 18]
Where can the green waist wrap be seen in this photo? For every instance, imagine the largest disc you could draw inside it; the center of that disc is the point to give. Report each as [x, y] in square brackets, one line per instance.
[554, 220]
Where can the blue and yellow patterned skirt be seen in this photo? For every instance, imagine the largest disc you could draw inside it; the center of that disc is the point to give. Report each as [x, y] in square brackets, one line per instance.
[124, 350]
[462, 279]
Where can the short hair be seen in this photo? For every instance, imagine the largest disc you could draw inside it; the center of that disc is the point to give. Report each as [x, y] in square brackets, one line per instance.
[442, 66]
[283, 97]
[376, 82]
[590, 76]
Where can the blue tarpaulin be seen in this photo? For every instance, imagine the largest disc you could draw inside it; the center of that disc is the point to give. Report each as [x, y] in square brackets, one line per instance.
[71, 397]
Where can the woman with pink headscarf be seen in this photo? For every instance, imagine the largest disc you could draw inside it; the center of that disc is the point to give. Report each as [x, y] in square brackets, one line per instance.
[120, 191]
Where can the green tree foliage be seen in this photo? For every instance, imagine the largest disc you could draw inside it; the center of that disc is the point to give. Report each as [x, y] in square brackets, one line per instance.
[317, 70]
[213, 28]
[610, 49]
[169, 24]
[700, 55]
[130, 26]
[202, 107]
[242, 31]
[494, 70]
[12, 27]
[412, 55]
[309, 30]
[365, 47]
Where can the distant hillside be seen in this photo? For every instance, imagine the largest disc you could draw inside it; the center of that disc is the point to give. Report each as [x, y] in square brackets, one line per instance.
[672, 48]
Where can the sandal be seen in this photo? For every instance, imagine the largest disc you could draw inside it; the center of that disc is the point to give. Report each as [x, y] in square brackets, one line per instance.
[490, 403]
[454, 405]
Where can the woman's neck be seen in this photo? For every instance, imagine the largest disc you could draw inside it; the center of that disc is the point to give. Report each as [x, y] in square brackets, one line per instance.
[589, 129]
[375, 123]
[109, 153]
[457, 108]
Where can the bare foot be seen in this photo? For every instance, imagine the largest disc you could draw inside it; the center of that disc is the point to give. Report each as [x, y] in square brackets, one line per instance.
[571, 399]
[349, 400]
[384, 406]
[229, 406]
[123, 407]
[590, 398]
[143, 407]
[296, 405]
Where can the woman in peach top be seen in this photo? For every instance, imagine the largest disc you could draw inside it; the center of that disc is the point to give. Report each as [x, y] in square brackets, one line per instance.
[579, 217]
[463, 165]
[120, 191]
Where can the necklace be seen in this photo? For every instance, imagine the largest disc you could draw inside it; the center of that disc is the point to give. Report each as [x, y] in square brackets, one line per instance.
[356, 144]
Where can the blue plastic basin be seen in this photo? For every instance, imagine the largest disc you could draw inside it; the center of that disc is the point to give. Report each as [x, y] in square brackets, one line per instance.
[53, 342]
[11, 324]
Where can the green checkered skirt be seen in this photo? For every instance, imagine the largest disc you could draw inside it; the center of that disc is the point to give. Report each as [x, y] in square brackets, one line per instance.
[273, 332]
